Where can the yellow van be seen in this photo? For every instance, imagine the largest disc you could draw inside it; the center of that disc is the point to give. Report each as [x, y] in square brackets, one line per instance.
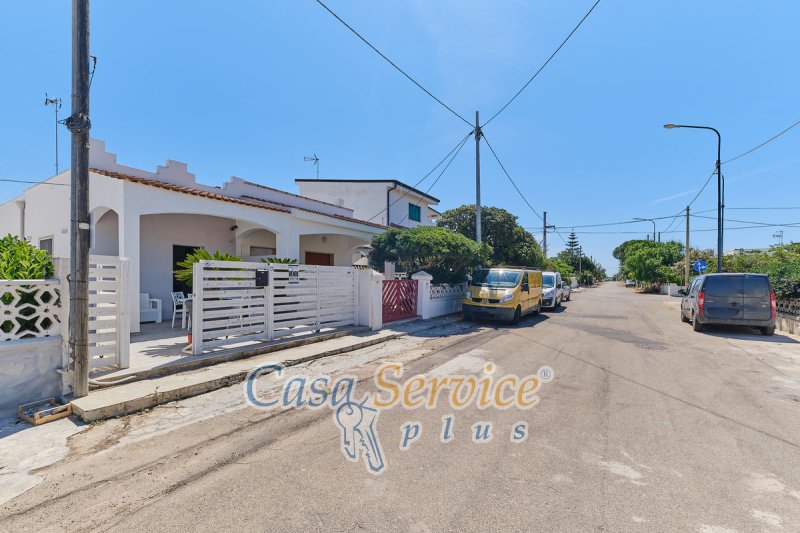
[506, 293]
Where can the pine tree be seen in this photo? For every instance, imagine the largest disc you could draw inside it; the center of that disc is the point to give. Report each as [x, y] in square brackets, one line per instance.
[572, 244]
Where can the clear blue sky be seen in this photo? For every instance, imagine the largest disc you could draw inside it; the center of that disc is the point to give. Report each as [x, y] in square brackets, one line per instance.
[248, 88]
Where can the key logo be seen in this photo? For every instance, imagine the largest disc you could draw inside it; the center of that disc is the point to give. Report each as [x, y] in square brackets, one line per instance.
[358, 424]
[357, 421]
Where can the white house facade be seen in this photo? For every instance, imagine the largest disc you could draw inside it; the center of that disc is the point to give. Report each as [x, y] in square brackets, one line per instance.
[387, 202]
[154, 218]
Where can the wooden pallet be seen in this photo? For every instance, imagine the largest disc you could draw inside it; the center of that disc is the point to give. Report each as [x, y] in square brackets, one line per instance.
[31, 413]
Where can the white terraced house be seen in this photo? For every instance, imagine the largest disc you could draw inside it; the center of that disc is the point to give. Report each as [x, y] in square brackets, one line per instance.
[155, 218]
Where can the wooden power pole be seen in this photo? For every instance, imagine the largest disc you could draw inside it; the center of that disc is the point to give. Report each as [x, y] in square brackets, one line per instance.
[78, 124]
[686, 266]
[477, 179]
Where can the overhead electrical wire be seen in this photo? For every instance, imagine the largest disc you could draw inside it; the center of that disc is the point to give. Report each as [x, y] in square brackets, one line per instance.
[463, 142]
[5, 180]
[458, 146]
[751, 150]
[677, 231]
[510, 178]
[746, 152]
[392, 63]
[788, 225]
[535, 74]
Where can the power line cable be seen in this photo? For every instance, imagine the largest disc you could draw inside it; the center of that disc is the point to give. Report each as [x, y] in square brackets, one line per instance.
[614, 223]
[442, 172]
[790, 224]
[751, 150]
[510, 178]
[681, 231]
[423, 178]
[403, 72]
[5, 180]
[544, 64]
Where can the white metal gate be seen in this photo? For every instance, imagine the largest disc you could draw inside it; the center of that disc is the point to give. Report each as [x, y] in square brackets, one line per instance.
[228, 308]
[109, 324]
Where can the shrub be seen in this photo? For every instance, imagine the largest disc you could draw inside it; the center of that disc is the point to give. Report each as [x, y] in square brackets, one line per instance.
[199, 254]
[445, 255]
[19, 259]
[279, 260]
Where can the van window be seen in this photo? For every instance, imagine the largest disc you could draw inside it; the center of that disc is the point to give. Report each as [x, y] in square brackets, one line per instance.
[695, 286]
[503, 279]
[723, 286]
[548, 281]
[756, 287]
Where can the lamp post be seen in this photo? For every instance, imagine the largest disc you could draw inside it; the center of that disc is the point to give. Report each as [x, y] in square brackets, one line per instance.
[648, 220]
[720, 187]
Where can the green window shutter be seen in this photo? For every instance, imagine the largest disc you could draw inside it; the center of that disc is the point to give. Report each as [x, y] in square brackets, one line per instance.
[414, 213]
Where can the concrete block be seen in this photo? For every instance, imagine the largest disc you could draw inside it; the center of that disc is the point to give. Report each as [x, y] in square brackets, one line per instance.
[28, 372]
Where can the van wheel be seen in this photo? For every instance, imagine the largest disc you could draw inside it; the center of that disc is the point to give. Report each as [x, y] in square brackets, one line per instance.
[517, 315]
[769, 332]
[683, 318]
[697, 326]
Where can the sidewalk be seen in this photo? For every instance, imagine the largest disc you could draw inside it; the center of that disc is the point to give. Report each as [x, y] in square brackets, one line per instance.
[129, 398]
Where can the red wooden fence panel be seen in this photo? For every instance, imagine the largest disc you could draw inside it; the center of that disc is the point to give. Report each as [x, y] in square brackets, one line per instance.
[399, 299]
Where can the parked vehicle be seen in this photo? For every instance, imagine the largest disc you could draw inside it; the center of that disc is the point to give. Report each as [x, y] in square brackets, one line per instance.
[733, 299]
[566, 291]
[552, 292]
[503, 293]
[630, 283]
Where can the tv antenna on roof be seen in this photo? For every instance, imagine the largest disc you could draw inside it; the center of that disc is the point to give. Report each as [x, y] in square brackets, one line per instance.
[315, 159]
[56, 103]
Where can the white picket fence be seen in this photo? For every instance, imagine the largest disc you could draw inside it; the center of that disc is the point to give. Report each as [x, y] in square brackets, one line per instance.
[228, 308]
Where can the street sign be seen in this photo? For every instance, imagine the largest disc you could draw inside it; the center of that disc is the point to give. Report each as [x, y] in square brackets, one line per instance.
[700, 265]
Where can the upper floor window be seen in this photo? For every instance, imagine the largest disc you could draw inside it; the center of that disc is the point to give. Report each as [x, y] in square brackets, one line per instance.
[46, 244]
[414, 213]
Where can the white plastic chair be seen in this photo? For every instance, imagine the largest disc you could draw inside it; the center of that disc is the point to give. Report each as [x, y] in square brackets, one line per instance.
[149, 308]
[178, 306]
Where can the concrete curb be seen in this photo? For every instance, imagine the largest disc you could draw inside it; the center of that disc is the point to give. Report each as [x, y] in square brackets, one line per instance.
[139, 395]
[226, 356]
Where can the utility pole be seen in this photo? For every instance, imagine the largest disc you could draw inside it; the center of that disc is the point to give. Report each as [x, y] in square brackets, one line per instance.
[544, 238]
[686, 266]
[477, 179]
[544, 235]
[78, 124]
[659, 236]
[56, 103]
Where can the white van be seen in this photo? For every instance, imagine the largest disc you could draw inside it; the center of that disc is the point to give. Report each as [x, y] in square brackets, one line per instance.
[552, 293]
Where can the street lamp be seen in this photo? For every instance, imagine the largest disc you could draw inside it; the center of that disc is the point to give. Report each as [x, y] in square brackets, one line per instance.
[650, 220]
[720, 187]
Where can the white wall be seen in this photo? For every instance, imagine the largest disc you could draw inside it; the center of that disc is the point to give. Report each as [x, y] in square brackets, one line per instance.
[106, 234]
[368, 199]
[399, 208]
[160, 232]
[341, 246]
[28, 372]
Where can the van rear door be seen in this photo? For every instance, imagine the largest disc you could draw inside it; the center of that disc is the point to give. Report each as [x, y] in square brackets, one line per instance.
[723, 297]
[757, 305]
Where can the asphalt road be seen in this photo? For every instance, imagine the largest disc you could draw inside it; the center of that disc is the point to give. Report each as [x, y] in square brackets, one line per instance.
[647, 426]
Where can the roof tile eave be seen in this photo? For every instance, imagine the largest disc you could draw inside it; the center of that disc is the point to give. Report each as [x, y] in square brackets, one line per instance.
[248, 201]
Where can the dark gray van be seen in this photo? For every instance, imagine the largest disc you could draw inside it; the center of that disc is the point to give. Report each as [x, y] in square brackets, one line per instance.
[730, 299]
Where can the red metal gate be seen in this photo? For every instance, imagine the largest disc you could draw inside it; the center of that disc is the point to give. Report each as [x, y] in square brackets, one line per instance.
[399, 299]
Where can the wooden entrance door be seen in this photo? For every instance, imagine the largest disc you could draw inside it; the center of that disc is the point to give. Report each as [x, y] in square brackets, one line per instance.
[317, 258]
